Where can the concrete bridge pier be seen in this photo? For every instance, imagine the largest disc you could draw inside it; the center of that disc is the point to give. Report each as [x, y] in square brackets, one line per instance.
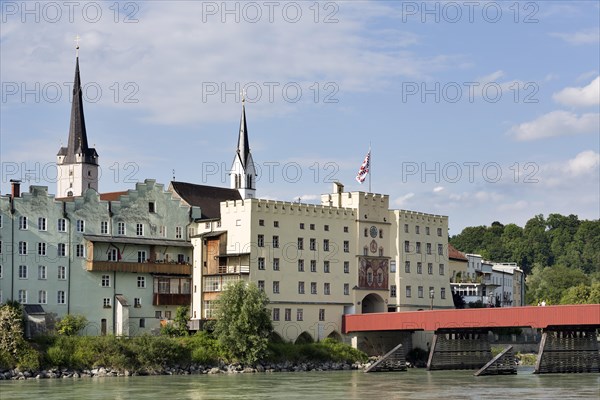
[568, 349]
[459, 349]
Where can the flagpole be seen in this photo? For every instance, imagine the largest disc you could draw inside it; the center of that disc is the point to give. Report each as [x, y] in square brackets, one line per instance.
[370, 166]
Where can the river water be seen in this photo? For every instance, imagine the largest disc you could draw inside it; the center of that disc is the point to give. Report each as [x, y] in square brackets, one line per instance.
[344, 385]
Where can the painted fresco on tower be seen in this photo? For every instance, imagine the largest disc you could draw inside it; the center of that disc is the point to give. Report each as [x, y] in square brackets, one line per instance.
[373, 273]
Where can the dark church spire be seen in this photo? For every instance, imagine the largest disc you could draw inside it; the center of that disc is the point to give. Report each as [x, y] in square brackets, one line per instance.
[77, 149]
[243, 147]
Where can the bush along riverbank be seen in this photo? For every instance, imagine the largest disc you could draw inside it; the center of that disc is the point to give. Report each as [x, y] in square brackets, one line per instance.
[86, 356]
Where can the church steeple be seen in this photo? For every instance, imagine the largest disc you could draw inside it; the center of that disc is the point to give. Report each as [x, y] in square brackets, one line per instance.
[243, 173]
[77, 163]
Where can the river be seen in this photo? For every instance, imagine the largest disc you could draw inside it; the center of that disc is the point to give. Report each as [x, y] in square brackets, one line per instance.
[343, 385]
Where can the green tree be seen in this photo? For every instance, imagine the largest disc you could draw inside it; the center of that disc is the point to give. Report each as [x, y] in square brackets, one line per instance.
[11, 331]
[179, 327]
[550, 283]
[576, 295]
[243, 322]
[71, 325]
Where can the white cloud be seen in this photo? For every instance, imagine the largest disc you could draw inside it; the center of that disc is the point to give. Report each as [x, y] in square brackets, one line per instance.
[588, 36]
[308, 198]
[438, 189]
[556, 123]
[583, 163]
[514, 206]
[402, 201]
[580, 96]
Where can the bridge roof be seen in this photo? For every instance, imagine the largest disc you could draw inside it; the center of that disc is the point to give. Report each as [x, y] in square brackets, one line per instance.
[535, 317]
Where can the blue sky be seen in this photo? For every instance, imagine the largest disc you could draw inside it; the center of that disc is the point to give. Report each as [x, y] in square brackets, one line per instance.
[481, 111]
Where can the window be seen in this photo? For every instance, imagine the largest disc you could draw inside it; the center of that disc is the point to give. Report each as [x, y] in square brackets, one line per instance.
[42, 272]
[419, 267]
[325, 244]
[261, 285]
[113, 255]
[0, 221]
[275, 224]
[22, 271]
[276, 314]
[105, 281]
[158, 314]
[300, 244]
[346, 267]
[261, 222]
[327, 288]
[121, 228]
[103, 227]
[366, 232]
[62, 225]
[22, 223]
[260, 241]
[300, 265]
[22, 296]
[42, 224]
[428, 248]
[313, 288]
[141, 256]
[346, 246]
[392, 266]
[406, 246]
[407, 266]
[393, 291]
[439, 231]
[80, 225]
[22, 248]
[321, 314]
[60, 297]
[301, 225]
[62, 273]
[418, 248]
[408, 291]
[275, 286]
[313, 244]
[417, 229]
[346, 288]
[430, 268]
[139, 229]
[275, 264]
[178, 232]
[313, 266]
[61, 250]
[42, 297]
[441, 269]
[326, 267]
[79, 250]
[137, 302]
[381, 252]
[41, 249]
[346, 229]
[427, 230]
[312, 227]
[162, 231]
[261, 263]
[326, 228]
[440, 249]
[106, 302]
[365, 251]
[301, 287]
[288, 314]
[142, 322]
[141, 282]
[0, 271]
[443, 293]
[420, 292]
[275, 241]
[151, 207]
[299, 314]
[405, 228]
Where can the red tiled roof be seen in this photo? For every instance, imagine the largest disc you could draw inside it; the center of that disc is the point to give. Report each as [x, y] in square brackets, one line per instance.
[112, 196]
[454, 254]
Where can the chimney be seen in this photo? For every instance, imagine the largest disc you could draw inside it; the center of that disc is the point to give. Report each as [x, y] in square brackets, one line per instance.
[16, 188]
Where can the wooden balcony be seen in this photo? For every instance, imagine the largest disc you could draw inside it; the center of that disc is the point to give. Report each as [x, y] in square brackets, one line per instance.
[148, 267]
[171, 299]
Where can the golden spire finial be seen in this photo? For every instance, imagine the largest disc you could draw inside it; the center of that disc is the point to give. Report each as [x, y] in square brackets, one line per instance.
[243, 93]
[77, 38]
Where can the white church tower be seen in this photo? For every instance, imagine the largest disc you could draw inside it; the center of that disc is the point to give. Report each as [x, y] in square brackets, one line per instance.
[243, 173]
[77, 163]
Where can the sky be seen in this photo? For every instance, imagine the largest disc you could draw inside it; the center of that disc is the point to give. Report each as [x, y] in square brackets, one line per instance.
[479, 110]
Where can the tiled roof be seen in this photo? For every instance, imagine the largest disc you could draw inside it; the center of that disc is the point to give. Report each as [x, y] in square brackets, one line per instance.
[112, 196]
[454, 254]
[208, 198]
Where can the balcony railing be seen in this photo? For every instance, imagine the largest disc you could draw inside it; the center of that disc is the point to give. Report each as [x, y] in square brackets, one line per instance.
[147, 267]
[171, 299]
[234, 269]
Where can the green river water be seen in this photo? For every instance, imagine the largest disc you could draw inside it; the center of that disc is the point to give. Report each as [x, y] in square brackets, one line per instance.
[345, 385]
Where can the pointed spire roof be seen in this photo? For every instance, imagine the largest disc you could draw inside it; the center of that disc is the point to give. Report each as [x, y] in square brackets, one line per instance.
[78, 143]
[243, 147]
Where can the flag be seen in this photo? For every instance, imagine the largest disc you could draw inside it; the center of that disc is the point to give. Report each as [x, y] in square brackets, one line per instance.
[364, 168]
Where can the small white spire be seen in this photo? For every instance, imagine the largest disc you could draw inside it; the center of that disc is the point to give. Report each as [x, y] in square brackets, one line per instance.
[77, 38]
